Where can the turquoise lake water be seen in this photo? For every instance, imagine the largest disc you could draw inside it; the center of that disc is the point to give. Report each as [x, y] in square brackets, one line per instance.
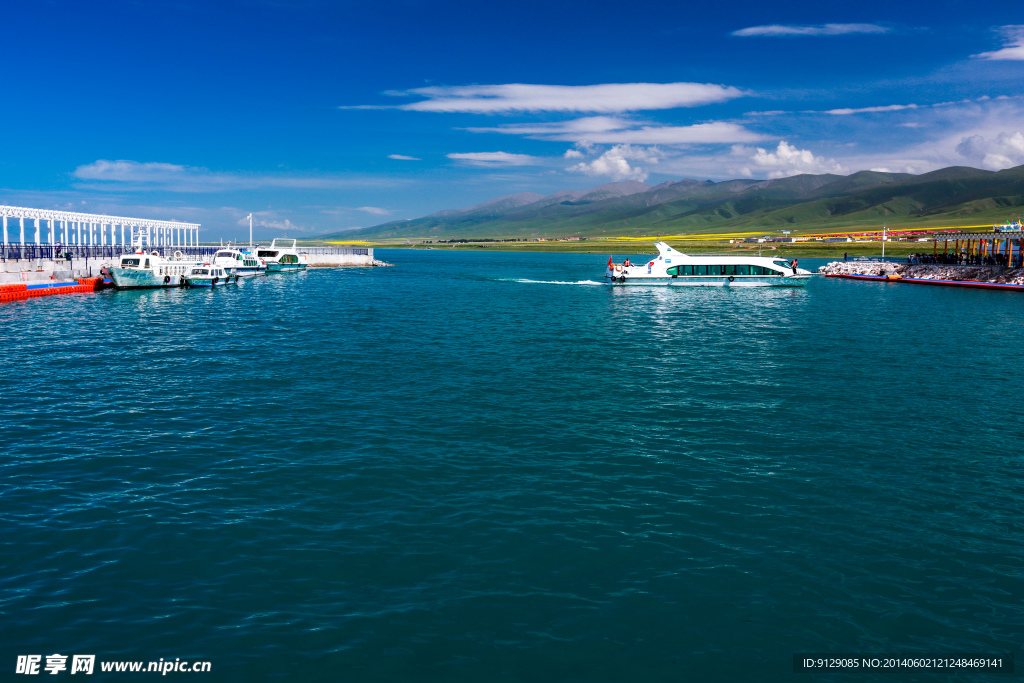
[479, 467]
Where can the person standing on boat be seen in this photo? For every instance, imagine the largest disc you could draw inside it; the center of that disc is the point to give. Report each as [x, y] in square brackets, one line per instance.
[626, 264]
[795, 261]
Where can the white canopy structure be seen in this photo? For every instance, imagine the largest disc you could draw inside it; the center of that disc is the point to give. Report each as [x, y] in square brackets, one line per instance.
[70, 228]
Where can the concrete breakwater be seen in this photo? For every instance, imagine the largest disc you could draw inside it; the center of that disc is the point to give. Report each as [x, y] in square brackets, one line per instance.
[334, 257]
[927, 273]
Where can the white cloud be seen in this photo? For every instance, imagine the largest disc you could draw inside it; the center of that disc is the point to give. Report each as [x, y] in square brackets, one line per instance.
[495, 159]
[717, 132]
[1005, 150]
[871, 110]
[135, 175]
[1013, 36]
[882, 141]
[603, 98]
[615, 163]
[575, 127]
[284, 225]
[270, 219]
[612, 131]
[131, 171]
[787, 160]
[374, 210]
[581, 149]
[846, 111]
[819, 30]
[402, 157]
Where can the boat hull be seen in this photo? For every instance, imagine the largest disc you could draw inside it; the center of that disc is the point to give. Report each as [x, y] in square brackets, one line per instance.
[285, 267]
[130, 278]
[243, 271]
[724, 281]
[209, 282]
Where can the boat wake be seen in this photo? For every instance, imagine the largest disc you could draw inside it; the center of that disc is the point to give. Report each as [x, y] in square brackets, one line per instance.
[551, 282]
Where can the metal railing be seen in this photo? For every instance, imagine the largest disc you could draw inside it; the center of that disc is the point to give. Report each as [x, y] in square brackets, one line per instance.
[31, 252]
[26, 252]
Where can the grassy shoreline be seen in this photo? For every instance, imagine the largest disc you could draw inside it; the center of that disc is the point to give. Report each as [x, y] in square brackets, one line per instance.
[637, 247]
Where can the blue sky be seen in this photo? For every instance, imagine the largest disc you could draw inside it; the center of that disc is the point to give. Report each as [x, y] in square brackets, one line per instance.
[325, 116]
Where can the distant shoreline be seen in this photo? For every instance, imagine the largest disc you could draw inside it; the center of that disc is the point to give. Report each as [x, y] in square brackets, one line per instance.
[633, 247]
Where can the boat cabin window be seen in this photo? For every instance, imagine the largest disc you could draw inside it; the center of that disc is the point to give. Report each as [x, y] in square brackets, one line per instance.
[721, 270]
[785, 264]
[130, 262]
[147, 263]
[267, 254]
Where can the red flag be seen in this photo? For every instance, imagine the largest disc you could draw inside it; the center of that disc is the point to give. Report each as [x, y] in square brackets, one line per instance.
[610, 262]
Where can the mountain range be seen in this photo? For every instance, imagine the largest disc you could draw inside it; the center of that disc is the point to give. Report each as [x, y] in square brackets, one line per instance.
[956, 195]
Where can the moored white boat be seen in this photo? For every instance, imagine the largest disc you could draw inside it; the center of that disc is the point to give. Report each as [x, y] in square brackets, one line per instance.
[282, 258]
[674, 268]
[238, 262]
[149, 270]
[206, 275]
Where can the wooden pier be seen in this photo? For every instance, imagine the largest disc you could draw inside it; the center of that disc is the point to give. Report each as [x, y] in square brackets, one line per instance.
[1005, 247]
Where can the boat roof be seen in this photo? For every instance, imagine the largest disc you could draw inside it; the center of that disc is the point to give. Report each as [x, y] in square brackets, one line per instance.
[667, 253]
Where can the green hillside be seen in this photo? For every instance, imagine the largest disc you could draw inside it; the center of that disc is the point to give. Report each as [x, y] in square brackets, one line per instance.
[804, 203]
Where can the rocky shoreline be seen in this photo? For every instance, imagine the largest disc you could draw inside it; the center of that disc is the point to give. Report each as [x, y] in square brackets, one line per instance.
[987, 274]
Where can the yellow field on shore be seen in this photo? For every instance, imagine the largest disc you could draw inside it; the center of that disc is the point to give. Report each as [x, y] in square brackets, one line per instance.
[687, 244]
[719, 239]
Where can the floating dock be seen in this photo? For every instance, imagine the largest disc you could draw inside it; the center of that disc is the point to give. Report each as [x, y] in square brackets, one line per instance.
[20, 292]
[940, 283]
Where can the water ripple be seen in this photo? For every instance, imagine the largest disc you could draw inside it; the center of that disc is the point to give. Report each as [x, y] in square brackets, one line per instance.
[459, 467]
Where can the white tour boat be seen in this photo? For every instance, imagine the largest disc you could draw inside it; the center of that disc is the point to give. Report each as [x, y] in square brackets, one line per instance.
[282, 258]
[149, 270]
[238, 262]
[207, 275]
[674, 268]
